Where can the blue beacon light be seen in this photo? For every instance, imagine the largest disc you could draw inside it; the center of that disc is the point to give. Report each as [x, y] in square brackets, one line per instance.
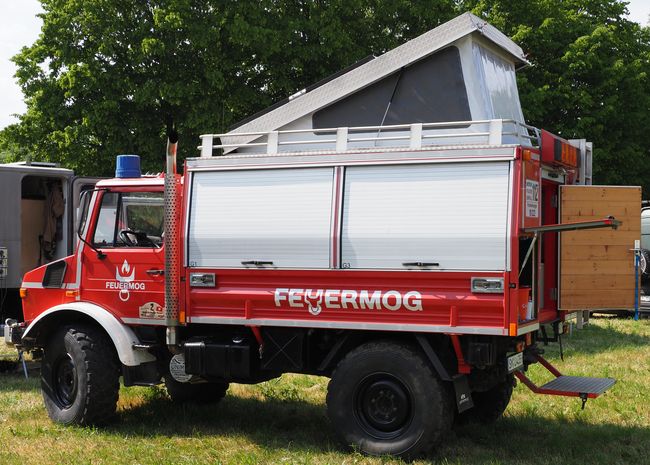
[128, 166]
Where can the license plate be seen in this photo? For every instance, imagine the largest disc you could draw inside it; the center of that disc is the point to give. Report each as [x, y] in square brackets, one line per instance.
[515, 362]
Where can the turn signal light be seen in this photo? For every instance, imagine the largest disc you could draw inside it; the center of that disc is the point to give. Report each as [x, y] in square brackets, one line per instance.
[23, 292]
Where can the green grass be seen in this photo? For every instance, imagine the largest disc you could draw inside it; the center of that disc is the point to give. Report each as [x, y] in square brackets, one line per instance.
[284, 421]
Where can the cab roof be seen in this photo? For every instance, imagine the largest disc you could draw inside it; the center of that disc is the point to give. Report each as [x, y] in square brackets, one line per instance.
[144, 181]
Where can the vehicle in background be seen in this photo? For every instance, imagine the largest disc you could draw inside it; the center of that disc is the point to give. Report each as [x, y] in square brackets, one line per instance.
[644, 260]
[39, 204]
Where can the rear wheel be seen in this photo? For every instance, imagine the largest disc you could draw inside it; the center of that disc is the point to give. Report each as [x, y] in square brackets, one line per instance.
[385, 399]
[80, 376]
[200, 393]
[489, 405]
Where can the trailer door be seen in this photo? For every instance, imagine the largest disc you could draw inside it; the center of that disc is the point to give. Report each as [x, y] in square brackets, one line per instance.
[597, 266]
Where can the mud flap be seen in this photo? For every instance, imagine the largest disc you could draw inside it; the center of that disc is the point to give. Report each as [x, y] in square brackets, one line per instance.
[463, 393]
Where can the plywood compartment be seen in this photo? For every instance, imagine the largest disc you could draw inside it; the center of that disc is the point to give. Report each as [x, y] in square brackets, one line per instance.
[597, 266]
[32, 224]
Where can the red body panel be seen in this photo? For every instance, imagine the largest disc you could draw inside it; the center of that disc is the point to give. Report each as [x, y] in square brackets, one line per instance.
[38, 299]
[446, 299]
[120, 282]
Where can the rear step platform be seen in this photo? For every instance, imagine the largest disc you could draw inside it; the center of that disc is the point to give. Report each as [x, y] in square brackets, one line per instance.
[571, 386]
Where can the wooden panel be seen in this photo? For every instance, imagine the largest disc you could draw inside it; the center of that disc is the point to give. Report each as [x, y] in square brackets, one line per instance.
[598, 299]
[597, 266]
[600, 267]
[594, 251]
[611, 281]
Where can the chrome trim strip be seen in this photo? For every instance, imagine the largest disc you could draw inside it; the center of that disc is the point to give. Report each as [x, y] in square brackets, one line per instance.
[352, 325]
[36, 285]
[143, 321]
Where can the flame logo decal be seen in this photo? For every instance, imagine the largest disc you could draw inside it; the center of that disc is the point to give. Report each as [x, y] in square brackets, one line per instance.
[122, 276]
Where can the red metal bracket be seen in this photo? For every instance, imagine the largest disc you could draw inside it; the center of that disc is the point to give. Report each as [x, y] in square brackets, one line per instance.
[569, 386]
[463, 367]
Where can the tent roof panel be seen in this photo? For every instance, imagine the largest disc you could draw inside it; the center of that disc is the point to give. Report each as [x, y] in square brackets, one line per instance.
[307, 102]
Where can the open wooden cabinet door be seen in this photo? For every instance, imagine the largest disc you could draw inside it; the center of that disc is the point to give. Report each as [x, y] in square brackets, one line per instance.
[597, 266]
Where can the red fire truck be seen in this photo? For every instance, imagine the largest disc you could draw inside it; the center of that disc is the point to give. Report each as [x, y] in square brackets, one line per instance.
[394, 227]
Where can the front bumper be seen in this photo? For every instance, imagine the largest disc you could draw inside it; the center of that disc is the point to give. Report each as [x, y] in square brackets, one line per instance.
[13, 332]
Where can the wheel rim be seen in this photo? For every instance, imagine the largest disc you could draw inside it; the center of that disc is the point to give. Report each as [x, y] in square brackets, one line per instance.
[65, 381]
[383, 406]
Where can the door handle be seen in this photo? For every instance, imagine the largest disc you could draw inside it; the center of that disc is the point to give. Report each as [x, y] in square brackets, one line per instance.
[155, 272]
[420, 264]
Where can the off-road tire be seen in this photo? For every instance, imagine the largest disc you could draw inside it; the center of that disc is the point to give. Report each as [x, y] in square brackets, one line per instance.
[384, 398]
[80, 376]
[199, 393]
[489, 405]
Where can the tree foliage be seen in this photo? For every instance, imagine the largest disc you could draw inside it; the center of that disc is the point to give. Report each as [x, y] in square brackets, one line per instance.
[104, 74]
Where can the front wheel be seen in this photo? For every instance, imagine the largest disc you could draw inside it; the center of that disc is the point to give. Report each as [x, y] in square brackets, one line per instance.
[385, 399]
[80, 376]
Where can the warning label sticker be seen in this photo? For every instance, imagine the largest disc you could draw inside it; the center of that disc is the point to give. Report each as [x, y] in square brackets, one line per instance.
[532, 198]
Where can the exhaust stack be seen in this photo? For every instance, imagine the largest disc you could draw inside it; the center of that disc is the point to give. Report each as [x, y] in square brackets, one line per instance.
[172, 240]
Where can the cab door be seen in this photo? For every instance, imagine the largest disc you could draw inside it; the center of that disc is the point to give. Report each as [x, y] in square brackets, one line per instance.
[125, 272]
[597, 266]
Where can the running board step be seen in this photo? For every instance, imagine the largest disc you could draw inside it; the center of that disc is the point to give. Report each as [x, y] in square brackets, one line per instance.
[590, 386]
[570, 386]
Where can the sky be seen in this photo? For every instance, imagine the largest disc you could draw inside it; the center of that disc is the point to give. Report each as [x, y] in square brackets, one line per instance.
[21, 27]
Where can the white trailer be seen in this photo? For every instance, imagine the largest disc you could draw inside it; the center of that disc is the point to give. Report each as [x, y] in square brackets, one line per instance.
[39, 201]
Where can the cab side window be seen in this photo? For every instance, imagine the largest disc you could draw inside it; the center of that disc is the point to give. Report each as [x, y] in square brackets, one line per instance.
[105, 229]
[130, 219]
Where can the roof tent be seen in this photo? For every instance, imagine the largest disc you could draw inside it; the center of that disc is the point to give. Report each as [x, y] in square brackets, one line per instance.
[461, 71]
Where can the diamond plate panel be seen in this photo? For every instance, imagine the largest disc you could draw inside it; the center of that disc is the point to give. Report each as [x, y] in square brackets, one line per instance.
[580, 384]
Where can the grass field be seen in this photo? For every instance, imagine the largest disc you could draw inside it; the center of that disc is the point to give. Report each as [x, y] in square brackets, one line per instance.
[284, 421]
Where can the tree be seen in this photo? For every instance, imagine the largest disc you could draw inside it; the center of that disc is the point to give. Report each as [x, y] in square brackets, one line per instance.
[104, 75]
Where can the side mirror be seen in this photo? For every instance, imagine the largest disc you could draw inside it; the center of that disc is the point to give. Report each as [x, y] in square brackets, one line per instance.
[82, 210]
[82, 217]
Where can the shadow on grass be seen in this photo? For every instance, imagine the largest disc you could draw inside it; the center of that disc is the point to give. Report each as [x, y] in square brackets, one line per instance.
[272, 423]
[303, 426]
[15, 380]
[539, 440]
